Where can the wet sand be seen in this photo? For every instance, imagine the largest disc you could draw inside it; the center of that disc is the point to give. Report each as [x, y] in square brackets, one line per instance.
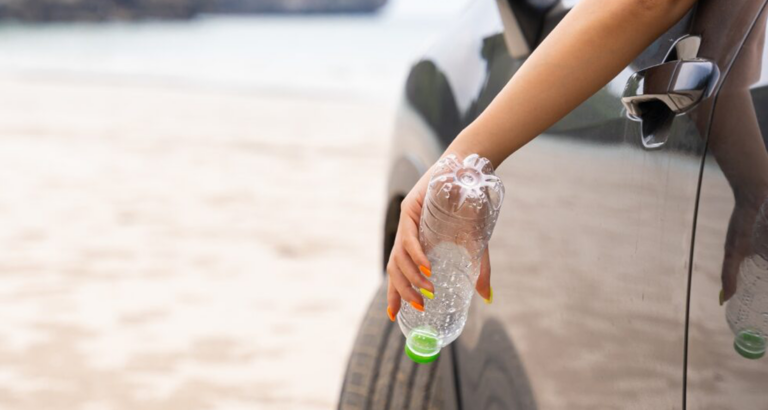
[172, 247]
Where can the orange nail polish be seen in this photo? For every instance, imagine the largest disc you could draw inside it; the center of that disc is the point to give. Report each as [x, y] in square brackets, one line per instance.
[417, 306]
[425, 271]
[389, 313]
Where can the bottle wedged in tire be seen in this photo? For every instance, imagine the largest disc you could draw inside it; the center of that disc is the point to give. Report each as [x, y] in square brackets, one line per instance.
[460, 210]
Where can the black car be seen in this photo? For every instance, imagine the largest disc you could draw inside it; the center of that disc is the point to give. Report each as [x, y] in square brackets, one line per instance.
[624, 227]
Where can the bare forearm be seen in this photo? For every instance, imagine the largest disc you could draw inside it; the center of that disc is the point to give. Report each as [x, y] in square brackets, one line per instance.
[590, 46]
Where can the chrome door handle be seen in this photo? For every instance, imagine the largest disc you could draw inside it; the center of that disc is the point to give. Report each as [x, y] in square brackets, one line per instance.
[680, 85]
[655, 95]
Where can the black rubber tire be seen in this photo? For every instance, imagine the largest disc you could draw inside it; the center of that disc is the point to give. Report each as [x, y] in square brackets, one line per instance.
[379, 374]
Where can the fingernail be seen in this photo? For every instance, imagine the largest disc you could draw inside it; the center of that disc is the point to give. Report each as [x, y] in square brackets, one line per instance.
[389, 313]
[722, 297]
[417, 306]
[490, 296]
[425, 271]
[426, 293]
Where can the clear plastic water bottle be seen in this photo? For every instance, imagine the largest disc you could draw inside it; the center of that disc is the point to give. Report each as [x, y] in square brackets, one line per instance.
[457, 219]
[747, 310]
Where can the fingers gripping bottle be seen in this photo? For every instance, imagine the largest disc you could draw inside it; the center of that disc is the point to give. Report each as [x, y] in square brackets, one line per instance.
[457, 219]
[747, 309]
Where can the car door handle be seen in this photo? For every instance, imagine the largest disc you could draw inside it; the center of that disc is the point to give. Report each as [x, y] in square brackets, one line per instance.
[679, 85]
[655, 95]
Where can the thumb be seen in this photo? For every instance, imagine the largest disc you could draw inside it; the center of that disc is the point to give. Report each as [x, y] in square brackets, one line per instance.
[738, 245]
[484, 280]
[730, 274]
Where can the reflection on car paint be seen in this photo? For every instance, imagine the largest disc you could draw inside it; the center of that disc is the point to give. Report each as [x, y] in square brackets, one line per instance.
[729, 296]
[747, 310]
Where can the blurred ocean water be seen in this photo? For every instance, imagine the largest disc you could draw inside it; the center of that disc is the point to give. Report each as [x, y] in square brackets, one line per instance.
[357, 54]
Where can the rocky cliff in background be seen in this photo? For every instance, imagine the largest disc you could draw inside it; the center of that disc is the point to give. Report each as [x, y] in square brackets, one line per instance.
[294, 6]
[95, 10]
[90, 10]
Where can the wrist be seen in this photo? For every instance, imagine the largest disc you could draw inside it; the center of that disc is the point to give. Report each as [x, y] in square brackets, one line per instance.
[470, 142]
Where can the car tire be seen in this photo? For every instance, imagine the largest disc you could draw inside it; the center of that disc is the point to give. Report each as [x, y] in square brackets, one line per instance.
[381, 377]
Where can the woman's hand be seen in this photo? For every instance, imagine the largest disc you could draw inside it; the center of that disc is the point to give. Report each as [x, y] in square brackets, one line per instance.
[408, 266]
[738, 245]
[738, 240]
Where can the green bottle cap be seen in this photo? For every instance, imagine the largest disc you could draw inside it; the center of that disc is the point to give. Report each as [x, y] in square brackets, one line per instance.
[750, 344]
[419, 358]
[422, 346]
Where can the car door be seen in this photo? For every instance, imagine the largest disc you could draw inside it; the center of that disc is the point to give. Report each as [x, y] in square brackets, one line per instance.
[591, 254]
[733, 190]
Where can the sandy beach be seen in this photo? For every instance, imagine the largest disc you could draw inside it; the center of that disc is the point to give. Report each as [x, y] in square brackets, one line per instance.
[192, 211]
[183, 248]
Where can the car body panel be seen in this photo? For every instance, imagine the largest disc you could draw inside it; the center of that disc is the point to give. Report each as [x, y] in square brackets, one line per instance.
[591, 254]
[734, 186]
[590, 260]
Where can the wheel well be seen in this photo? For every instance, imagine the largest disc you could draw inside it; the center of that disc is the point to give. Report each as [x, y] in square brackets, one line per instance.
[391, 221]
